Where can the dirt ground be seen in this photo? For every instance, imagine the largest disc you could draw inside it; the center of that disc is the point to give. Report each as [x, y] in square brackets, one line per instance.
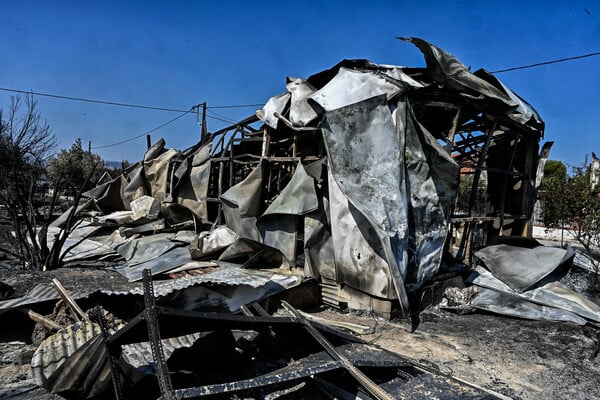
[520, 359]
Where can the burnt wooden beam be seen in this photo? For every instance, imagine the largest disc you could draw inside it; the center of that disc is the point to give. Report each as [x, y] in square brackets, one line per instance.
[479, 168]
[505, 183]
[452, 131]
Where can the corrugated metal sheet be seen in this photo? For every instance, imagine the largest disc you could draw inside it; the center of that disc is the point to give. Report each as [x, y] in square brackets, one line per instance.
[226, 275]
[140, 354]
[55, 349]
[38, 294]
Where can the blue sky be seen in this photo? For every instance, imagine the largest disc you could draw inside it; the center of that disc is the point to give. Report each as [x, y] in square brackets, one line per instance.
[177, 54]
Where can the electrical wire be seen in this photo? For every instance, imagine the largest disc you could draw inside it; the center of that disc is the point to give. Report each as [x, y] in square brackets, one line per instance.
[546, 63]
[193, 109]
[145, 133]
[222, 119]
[238, 106]
[219, 117]
[111, 103]
[114, 103]
[212, 114]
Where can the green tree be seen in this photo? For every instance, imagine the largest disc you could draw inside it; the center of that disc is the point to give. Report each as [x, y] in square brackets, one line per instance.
[556, 203]
[571, 204]
[555, 170]
[75, 169]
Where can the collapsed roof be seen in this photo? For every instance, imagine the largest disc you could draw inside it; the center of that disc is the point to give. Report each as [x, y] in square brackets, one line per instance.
[364, 176]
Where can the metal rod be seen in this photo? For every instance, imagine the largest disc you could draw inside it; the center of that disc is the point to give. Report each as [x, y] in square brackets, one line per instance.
[231, 146]
[220, 191]
[162, 371]
[373, 388]
[113, 361]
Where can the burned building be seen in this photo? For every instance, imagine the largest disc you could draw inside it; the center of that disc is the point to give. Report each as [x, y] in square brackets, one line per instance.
[368, 181]
[364, 176]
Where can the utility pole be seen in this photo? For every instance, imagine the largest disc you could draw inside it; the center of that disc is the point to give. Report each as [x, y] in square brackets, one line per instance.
[203, 127]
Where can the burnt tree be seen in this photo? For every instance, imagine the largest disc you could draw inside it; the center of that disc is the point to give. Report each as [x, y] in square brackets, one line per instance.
[26, 141]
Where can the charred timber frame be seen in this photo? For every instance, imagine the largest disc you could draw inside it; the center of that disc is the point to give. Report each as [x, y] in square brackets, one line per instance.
[468, 137]
[470, 134]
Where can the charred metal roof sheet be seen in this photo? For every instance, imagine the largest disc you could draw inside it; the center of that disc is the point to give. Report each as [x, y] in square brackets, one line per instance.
[552, 294]
[225, 275]
[40, 293]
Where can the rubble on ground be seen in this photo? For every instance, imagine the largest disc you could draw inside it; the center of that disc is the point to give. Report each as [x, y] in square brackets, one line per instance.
[362, 187]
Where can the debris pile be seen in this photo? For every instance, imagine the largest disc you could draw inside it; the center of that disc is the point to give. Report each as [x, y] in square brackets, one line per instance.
[522, 280]
[519, 277]
[254, 355]
[367, 180]
[360, 176]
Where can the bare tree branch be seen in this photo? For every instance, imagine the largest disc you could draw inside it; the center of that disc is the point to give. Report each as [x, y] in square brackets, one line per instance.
[26, 141]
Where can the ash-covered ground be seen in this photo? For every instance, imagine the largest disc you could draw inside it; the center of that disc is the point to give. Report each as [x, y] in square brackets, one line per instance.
[518, 358]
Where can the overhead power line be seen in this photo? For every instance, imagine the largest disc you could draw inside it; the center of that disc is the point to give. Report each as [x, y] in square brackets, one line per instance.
[111, 103]
[193, 109]
[546, 63]
[212, 114]
[145, 133]
[220, 117]
[238, 106]
[114, 103]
